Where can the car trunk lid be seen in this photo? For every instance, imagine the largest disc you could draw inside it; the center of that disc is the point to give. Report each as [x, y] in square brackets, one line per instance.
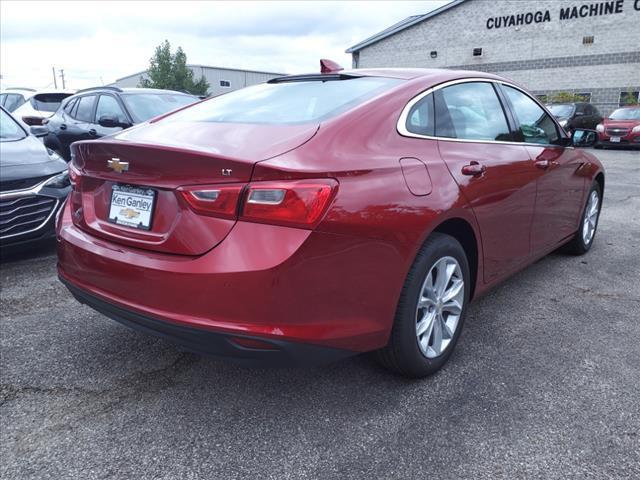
[143, 163]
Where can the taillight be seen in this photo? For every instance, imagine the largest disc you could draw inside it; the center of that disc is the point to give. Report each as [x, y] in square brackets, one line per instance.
[300, 203]
[75, 195]
[74, 175]
[216, 201]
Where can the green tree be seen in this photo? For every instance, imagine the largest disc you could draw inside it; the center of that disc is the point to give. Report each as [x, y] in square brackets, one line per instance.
[564, 97]
[630, 97]
[169, 71]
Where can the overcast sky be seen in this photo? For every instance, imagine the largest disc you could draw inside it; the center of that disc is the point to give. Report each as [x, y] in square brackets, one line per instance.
[97, 42]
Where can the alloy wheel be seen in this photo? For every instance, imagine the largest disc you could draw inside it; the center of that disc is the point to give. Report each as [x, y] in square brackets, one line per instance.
[590, 219]
[439, 307]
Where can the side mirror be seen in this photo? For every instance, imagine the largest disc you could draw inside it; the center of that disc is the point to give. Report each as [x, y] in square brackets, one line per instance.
[111, 121]
[584, 138]
[39, 131]
[32, 120]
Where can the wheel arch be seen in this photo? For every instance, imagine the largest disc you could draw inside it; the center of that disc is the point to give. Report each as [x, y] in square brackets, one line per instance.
[463, 232]
[600, 179]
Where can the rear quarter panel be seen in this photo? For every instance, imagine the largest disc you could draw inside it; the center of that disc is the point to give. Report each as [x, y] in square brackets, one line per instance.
[362, 150]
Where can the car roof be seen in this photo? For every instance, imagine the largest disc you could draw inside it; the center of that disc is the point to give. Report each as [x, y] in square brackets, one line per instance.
[436, 75]
[114, 89]
[30, 92]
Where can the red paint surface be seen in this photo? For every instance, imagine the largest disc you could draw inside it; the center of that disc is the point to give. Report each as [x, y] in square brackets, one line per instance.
[338, 283]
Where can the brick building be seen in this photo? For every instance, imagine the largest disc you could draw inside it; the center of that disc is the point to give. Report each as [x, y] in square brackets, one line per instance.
[585, 47]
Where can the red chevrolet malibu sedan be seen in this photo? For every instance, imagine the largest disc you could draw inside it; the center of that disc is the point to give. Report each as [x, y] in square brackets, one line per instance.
[621, 128]
[318, 216]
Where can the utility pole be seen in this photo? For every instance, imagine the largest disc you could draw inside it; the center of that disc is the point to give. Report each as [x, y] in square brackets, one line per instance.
[64, 87]
[55, 82]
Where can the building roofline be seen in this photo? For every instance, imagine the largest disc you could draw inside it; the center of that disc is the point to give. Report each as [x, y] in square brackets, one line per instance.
[206, 66]
[402, 25]
[234, 69]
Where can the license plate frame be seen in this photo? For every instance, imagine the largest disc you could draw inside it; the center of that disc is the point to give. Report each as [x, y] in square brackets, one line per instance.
[614, 139]
[130, 203]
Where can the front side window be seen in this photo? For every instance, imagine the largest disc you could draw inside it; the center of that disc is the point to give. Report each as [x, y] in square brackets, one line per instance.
[144, 106]
[291, 102]
[84, 110]
[535, 125]
[108, 106]
[470, 111]
[420, 119]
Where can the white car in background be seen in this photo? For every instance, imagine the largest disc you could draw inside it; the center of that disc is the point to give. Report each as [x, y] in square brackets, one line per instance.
[31, 106]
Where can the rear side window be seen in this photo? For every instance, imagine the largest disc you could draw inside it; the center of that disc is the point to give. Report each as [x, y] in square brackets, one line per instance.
[286, 103]
[470, 111]
[84, 111]
[535, 126]
[69, 106]
[420, 119]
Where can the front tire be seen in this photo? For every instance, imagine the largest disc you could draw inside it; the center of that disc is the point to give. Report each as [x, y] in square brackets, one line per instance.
[431, 309]
[583, 239]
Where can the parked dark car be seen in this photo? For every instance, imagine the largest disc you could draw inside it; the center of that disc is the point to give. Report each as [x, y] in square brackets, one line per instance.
[96, 112]
[33, 184]
[576, 115]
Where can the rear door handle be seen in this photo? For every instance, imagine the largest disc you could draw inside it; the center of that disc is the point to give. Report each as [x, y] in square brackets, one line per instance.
[473, 169]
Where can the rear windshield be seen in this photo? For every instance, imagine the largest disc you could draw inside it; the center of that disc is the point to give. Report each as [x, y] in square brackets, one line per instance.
[626, 114]
[48, 102]
[143, 106]
[286, 103]
[561, 110]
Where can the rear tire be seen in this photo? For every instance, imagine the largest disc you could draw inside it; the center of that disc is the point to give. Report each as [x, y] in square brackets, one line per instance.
[584, 237]
[431, 309]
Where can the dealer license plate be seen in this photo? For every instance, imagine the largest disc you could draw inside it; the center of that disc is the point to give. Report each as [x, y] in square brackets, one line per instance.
[132, 206]
[615, 139]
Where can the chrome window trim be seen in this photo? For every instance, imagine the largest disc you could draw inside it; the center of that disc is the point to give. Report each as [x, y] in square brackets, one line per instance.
[401, 125]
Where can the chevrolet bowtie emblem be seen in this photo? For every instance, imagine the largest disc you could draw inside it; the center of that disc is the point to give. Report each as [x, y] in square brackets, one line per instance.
[117, 166]
[129, 213]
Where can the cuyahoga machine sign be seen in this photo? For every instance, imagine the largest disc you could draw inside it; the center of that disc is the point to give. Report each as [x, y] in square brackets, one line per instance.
[563, 13]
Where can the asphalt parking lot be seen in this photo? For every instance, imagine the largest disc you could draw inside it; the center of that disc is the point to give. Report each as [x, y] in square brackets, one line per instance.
[545, 383]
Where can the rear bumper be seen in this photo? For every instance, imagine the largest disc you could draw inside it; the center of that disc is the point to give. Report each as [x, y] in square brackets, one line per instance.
[274, 283]
[280, 353]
